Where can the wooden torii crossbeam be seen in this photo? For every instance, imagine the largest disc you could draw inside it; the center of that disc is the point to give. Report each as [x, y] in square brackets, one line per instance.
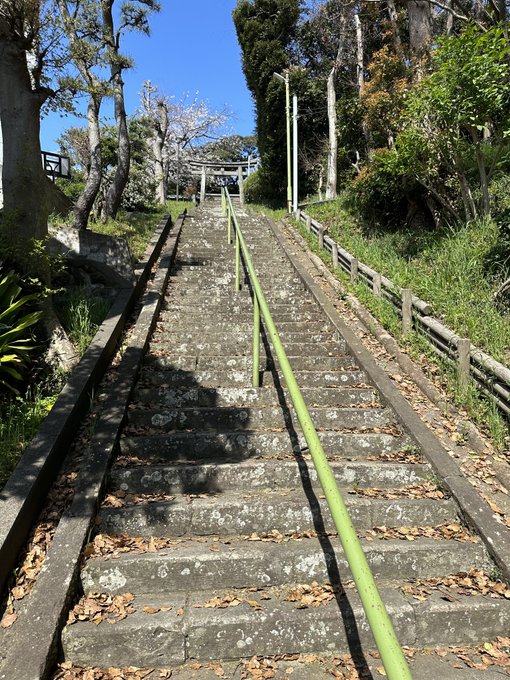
[239, 170]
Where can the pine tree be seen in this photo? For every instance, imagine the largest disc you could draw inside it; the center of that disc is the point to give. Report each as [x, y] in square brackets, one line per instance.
[266, 30]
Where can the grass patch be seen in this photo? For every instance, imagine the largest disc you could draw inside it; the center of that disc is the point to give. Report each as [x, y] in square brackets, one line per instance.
[482, 411]
[273, 214]
[19, 420]
[138, 228]
[447, 268]
[81, 315]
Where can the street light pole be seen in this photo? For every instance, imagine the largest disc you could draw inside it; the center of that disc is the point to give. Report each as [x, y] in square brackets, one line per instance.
[285, 79]
[295, 153]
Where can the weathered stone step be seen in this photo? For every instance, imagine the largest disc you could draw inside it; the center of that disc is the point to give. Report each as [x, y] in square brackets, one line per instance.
[275, 627]
[222, 276]
[242, 378]
[235, 347]
[192, 566]
[194, 333]
[205, 377]
[238, 396]
[233, 514]
[180, 314]
[256, 418]
[257, 474]
[286, 296]
[236, 446]
[198, 361]
[233, 304]
[212, 325]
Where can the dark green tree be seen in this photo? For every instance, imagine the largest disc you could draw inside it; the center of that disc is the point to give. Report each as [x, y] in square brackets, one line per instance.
[266, 30]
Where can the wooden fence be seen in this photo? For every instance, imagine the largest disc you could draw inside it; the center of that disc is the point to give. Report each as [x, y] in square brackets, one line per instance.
[490, 376]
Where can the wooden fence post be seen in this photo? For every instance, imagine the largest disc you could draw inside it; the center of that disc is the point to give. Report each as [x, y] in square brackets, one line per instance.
[463, 372]
[308, 223]
[354, 270]
[321, 237]
[334, 254]
[407, 310]
[298, 214]
[377, 284]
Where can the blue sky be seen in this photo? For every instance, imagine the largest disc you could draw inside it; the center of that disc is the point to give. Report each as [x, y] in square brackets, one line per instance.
[192, 49]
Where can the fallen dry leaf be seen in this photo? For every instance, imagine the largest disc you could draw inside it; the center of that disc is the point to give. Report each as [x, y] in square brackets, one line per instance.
[8, 620]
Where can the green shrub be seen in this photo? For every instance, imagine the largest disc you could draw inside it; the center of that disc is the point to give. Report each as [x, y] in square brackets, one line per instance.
[378, 192]
[253, 188]
[258, 189]
[73, 187]
[15, 338]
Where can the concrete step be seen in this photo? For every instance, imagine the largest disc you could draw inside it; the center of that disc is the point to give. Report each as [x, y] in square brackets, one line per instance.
[190, 630]
[237, 396]
[232, 308]
[243, 338]
[179, 293]
[210, 378]
[179, 315]
[190, 361]
[230, 347]
[256, 418]
[191, 566]
[205, 310]
[158, 360]
[266, 475]
[225, 276]
[210, 325]
[234, 514]
[237, 446]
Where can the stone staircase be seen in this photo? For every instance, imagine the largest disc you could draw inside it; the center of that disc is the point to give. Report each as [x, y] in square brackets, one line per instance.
[228, 546]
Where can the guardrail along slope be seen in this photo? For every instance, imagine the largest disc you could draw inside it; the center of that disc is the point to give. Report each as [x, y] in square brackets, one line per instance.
[227, 545]
[491, 377]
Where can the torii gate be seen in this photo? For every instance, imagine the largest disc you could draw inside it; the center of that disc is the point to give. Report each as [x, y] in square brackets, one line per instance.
[239, 170]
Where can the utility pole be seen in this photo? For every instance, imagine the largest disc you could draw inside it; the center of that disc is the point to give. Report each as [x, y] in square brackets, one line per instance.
[295, 153]
[285, 79]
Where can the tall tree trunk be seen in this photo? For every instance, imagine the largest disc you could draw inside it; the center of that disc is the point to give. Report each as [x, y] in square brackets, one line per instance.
[157, 148]
[467, 197]
[482, 173]
[420, 28]
[161, 129]
[360, 73]
[478, 9]
[94, 87]
[392, 13]
[26, 189]
[449, 17]
[114, 194]
[502, 11]
[24, 183]
[331, 179]
[85, 202]
[331, 183]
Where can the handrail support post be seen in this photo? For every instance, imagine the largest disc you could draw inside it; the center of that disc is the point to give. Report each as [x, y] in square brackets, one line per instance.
[238, 261]
[256, 341]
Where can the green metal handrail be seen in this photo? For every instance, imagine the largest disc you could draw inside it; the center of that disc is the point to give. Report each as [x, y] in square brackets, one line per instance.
[392, 656]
